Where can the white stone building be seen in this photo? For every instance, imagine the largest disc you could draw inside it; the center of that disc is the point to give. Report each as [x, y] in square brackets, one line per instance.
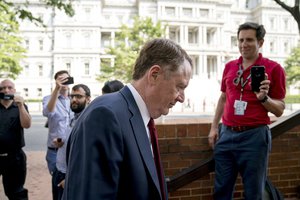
[205, 28]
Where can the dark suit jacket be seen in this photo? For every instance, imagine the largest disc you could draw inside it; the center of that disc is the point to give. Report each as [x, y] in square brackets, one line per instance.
[110, 155]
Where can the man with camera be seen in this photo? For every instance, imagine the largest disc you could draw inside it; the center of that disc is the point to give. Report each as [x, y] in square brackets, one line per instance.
[14, 117]
[56, 107]
[251, 87]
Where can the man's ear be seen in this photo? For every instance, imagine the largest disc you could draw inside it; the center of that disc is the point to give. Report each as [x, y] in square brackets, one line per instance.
[88, 99]
[154, 72]
[261, 42]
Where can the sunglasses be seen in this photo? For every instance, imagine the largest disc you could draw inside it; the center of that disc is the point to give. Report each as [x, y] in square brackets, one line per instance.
[237, 79]
[77, 96]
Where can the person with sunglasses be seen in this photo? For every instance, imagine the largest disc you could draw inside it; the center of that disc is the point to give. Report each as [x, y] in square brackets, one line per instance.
[80, 98]
[243, 141]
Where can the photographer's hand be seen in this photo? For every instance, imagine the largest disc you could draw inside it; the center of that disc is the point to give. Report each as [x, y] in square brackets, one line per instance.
[25, 118]
[263, 90]
[59, 81]
[18, 99]
[59, 89]
[275, 106]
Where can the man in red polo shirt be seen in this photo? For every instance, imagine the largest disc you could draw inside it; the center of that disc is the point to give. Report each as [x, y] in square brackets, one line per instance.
[243, 142]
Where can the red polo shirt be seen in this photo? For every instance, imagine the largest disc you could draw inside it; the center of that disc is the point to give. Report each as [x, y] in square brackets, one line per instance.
[255, 113]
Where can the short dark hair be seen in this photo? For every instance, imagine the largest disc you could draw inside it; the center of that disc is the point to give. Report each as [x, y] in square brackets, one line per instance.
[84, 87]
[60, 72]
[260, 30]
[112, 86]
[163, 52]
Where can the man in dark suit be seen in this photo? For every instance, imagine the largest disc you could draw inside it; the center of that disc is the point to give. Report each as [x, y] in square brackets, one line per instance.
[111, 156]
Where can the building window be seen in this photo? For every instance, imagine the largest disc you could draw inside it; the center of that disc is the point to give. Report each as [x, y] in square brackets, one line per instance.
[187, 12]
[204, 13]
[234, 41]
[87, 12]
[41, 45]
[174, 34]
[39, 92]
[193, 35]
[27, 44]
[272, 50]
[25, 90]
[68, 40]
[196, 66]
[26, 70]
[40, 70]
[272, 23]
[210, 35]
[105, 39]
[286, 24]
[170, 11]
[87, 68]
[68, 67]
[286, 47]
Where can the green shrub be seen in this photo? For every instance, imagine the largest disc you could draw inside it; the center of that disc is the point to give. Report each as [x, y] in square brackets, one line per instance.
[292, 99]
[33, 100]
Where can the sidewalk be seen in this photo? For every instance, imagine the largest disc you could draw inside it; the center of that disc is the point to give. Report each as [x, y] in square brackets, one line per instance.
[38, 181]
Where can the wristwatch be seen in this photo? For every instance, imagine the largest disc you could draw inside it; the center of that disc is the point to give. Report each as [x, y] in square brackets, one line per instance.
[264, 99]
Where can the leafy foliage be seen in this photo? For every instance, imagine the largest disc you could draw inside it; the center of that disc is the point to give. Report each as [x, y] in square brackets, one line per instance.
[292, 66]
[11, 50]
[22, 12]
[128, 43]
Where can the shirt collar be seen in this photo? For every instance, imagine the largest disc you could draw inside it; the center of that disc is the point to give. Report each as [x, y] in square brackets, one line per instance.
[140, 103]
[258, 61]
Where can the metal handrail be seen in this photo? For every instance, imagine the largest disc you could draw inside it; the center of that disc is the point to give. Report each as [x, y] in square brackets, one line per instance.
[203, 168]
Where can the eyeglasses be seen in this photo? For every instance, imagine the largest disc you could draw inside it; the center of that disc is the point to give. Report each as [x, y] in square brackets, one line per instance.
[77, 96]
[238, 77]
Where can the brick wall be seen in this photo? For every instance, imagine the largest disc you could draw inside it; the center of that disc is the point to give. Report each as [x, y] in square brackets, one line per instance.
[182, 145]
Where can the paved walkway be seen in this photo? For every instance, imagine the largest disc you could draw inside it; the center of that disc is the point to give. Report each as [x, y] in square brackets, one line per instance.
[38, 181]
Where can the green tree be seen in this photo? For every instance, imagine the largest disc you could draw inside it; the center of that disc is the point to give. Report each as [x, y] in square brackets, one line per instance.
[22, 12]
[292, 67]
[294, 10]
[128, 43]
[11, 50]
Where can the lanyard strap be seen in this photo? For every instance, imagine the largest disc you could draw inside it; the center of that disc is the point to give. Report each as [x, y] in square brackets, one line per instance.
[242, 81]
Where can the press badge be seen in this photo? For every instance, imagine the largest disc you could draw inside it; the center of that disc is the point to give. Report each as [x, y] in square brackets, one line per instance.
[239, 107]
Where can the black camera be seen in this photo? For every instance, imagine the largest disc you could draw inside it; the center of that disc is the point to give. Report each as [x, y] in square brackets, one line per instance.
[70, 80]
[6, 96]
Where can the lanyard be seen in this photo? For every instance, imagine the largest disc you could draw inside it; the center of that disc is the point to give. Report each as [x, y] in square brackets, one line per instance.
[242, 81]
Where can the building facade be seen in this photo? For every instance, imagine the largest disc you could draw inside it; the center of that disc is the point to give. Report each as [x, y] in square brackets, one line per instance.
[206, 29]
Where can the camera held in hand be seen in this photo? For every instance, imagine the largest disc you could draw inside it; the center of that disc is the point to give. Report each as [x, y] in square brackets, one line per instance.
[6, 96]
[70, 80]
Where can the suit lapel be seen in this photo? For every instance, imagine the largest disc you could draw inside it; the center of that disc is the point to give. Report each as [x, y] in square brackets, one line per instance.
[141, 137]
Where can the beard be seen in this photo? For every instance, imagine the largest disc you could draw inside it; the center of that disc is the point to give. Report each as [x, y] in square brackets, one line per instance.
[77, 108]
